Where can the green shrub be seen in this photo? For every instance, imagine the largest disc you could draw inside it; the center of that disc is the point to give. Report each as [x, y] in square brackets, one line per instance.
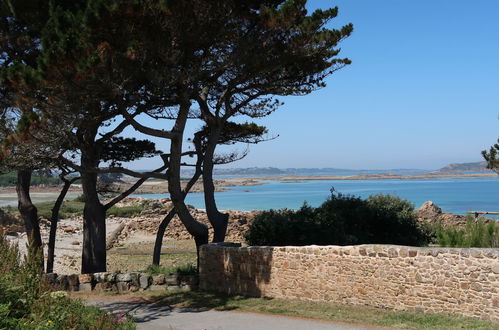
[187, 269]
[341, 220]
[126, 211]
[26, 301]
[476, 233]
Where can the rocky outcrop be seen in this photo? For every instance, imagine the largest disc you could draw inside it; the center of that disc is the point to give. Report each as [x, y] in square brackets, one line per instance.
[430, 213]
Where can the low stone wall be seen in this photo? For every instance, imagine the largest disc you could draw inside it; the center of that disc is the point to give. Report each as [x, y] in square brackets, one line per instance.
[119, 282]
[437, 280]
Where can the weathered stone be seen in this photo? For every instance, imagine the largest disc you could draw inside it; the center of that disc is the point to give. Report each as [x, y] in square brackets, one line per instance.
[123, 277]
[51, 278]
[134, 279]
[62, 281]
[73, 282]
[158, 279]
[173, 287]
[172, 279]
[85, 278]
[122, 286]
[85, 287]
[144, 281]
[434, 280]
[100, 277]
[155, 287]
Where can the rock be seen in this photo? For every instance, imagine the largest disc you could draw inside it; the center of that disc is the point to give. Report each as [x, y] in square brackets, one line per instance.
[157, 287]
[73, 282]
[158, 279]
[100, 277]
[123, 277]
[85, 287]
[123, 286]
[428, 210]
[62, 280]
[68, 229]
[144, 281]
[85, 278]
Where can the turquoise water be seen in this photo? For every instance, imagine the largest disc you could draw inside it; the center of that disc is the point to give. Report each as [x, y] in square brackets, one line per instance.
[452, 195]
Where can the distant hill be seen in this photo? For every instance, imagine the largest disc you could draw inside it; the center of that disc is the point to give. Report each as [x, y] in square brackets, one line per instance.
[249, 171]
[464, 168]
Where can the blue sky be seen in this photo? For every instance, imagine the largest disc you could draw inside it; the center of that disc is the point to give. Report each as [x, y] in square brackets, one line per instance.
[422, 91]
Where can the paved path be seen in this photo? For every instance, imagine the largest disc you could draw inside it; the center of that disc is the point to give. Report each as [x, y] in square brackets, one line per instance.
[151, 316]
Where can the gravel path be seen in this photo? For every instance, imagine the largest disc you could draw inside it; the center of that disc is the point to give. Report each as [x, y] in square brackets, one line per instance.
[149, 316]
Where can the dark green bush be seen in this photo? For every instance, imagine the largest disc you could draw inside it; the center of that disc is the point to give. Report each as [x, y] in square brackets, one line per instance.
[341, 220]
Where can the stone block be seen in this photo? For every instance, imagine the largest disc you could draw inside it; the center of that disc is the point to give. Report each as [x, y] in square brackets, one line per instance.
[173, 287]
[110, 277]
[122, 286]
[134, 279]
[158, 279]
[62, 281]
[171, 279]
[495, 268]
[144, 281]
[100, 277]
[85, 278]
[51, 278]
[85, 287]
[155, 287]
[73, 282]
[123, 277]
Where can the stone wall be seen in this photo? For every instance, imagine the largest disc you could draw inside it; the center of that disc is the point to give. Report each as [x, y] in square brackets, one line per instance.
[121, 282]
[436, 280]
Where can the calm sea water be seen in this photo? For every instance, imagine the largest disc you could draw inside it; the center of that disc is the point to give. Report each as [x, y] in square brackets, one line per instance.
[452, 195]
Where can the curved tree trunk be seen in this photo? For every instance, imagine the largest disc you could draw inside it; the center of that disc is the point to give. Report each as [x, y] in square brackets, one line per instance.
[54, 219]
[29, 212]
[156, 255]
[218, 220]
[194, 227]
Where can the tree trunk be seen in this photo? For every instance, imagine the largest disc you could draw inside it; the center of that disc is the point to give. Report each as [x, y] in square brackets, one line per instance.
[94, 213]
[28, 212]
[156, 256]
[218, 220]
[54, 219]
[194, 227]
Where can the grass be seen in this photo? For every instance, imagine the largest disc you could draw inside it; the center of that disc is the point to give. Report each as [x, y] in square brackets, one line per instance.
[326, 311]
[75, 208]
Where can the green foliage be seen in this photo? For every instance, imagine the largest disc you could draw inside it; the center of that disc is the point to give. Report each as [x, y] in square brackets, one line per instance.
[10, 179]
[476, 233]
[341, 220]
[27, 303]
[187, 269]
[492, 157]
[126, 211]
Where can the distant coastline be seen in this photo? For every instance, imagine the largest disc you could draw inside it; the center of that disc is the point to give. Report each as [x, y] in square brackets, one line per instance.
[379, 177]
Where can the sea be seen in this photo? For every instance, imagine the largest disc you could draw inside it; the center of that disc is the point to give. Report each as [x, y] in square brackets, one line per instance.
[453, 195]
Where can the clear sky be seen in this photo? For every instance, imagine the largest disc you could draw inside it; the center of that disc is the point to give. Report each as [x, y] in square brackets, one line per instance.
[422, 91]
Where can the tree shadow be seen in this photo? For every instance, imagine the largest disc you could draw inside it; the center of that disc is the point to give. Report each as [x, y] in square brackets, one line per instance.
[236, 270]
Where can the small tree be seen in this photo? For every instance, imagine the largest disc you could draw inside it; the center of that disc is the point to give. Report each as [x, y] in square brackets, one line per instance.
[492, 157]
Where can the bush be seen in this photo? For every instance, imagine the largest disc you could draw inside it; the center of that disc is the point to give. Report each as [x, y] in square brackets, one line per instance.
[476, 233]
[341, 220]
[126, 211]
[187, 269]
[26, 301]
